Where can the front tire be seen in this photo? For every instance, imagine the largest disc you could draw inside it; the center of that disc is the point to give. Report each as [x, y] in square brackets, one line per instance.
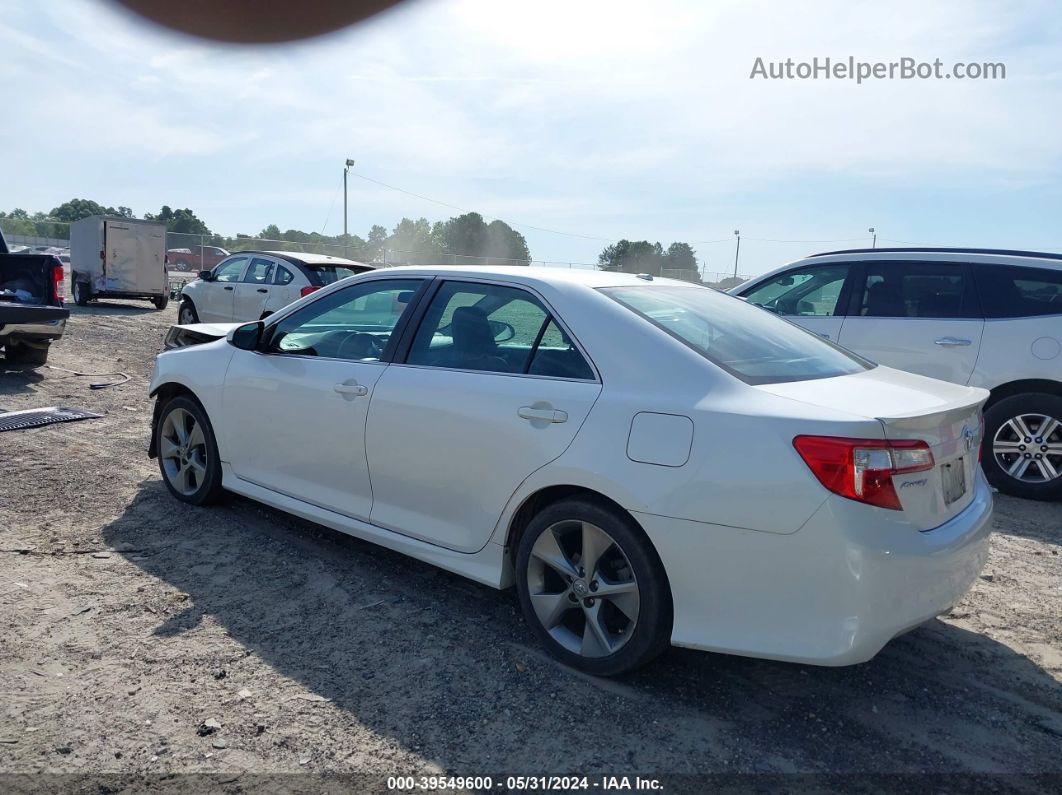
[592, 588]
[1022, 453]
[187, 315]
[188, 452]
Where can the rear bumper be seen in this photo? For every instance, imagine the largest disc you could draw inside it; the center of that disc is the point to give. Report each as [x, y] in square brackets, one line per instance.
[41, 331]
[833, 593]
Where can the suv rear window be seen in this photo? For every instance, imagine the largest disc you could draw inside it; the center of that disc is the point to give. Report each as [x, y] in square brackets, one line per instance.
[1016, 291]
[748, 342]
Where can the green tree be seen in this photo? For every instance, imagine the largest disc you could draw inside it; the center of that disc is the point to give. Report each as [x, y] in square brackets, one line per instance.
[180, 221]
[76, 209]
[680, 256]
[465, 236]
[374, 246]
[505, 246]
[640, 256]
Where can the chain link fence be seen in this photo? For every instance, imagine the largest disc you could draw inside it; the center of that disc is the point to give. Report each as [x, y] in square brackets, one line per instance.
[187, 254]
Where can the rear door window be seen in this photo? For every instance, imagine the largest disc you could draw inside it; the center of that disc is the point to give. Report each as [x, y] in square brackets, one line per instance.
[916, 289]
[1017, 291]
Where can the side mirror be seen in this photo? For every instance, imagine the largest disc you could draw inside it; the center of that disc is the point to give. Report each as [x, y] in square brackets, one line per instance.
[247, 336]
[206, 276]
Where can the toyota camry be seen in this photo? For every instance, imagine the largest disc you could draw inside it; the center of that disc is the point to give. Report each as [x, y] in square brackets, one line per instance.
[648, 462]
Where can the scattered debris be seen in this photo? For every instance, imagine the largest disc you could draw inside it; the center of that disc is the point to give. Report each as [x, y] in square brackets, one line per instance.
[244, 694]
[207, 727]
[219, 743]
[35, 418]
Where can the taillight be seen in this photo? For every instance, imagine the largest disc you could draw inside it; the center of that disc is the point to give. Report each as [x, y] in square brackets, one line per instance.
[307, 290]
[59, 278]
[862, 469]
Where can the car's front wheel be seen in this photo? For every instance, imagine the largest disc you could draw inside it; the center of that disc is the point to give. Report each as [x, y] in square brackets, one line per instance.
[187, 314]
[188, 452]
[1023, 446]
[593, 588]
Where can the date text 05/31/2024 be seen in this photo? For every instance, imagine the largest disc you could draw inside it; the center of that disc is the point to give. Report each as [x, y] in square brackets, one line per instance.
[523, 783]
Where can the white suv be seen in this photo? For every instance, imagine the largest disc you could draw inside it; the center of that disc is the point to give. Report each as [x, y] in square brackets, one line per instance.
[251, 285]
[982, 317]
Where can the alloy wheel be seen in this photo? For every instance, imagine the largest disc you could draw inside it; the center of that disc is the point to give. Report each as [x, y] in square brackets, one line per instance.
[582, 588]
[183, 450]
[185, 318]
[1029, 448]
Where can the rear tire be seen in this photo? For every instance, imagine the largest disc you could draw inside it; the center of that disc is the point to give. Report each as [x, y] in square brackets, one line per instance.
[24, 353]
[161, 301]
[187, 315]
[1017, 430]
[82, 293]
[188, 452]
[625, 593]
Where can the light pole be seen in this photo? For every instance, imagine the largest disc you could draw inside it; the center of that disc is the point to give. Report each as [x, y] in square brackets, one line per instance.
[737, 250]
[346, 168]
[874, 240]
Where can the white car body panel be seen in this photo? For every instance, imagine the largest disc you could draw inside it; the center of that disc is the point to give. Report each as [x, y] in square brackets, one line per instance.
[761, 558]
[999, 350]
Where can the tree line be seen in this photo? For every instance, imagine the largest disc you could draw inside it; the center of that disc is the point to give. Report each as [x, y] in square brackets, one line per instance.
[462, 239]
[641, 256]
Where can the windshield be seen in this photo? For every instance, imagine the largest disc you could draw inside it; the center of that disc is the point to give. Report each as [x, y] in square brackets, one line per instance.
[745, 340]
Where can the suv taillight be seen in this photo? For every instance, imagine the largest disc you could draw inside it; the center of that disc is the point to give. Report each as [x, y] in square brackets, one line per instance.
[59, 279]
[862, 469]
[307, 290]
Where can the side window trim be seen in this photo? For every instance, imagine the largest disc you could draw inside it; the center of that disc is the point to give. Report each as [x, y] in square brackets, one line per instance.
[843, 296]
[415, 319]
[400, 329]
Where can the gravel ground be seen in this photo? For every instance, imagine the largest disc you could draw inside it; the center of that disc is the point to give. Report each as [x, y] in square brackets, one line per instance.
[129, 620]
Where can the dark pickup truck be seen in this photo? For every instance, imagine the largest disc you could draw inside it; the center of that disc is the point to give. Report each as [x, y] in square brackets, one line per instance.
[32, 315]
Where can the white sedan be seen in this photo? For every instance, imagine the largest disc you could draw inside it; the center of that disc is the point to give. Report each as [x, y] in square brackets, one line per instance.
[649, 462]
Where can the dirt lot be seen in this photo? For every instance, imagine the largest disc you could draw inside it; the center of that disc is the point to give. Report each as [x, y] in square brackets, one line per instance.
[128, 620]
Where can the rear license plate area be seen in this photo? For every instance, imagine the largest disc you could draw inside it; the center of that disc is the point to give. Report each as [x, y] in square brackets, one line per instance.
[953, 480]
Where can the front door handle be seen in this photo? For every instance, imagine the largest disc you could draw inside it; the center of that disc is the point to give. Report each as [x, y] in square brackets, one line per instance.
[352, 390]
[543, 415]
[263, 290]
[951, 341]
[823, 334]
[230, 288]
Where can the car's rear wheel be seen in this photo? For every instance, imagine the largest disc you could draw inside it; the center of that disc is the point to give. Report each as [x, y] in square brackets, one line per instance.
[1023, 446]
[188, 452]
[187, 315]
[27, 353]
[592, 587]
[161, 301]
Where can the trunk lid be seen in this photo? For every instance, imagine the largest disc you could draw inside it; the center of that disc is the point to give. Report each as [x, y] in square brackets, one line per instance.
[945, 416]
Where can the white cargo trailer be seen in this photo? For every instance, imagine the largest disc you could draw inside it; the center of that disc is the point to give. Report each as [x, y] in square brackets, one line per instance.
[118, 258]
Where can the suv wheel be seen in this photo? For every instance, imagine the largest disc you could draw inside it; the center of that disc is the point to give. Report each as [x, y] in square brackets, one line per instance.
[26, 353]
[592, 588]
[1023, 446]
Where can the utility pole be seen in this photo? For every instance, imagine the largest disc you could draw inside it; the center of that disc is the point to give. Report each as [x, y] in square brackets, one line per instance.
[346, 168]
[737, 250]
[874, 240]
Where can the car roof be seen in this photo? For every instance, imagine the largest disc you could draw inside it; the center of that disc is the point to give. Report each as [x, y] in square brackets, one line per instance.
[1002, 252]
[309, 258]
[538, 275]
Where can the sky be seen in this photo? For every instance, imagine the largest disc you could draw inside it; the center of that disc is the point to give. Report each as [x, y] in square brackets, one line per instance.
[594, 120]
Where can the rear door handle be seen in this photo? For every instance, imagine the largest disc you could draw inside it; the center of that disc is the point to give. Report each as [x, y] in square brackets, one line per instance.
[263, 290]
[824, 335]
[229, 288]
[951, 341]
[353, 390]
[545, 415]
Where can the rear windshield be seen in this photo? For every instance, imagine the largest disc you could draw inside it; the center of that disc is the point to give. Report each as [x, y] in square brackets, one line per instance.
[748, 342]
[326, 274]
